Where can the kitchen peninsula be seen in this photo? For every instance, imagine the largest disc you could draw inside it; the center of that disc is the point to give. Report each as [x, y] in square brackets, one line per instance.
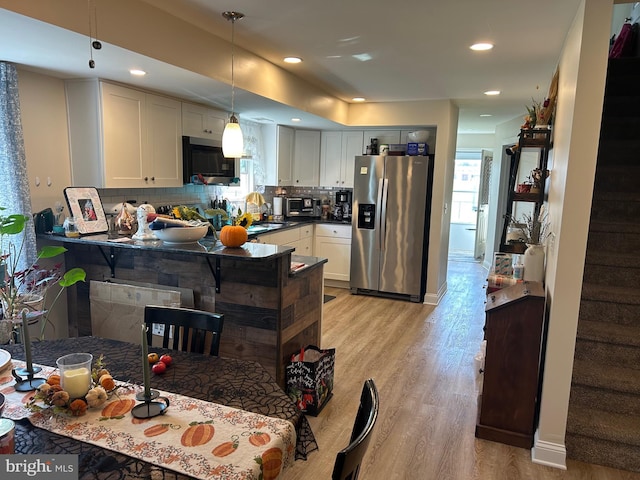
[270, 311]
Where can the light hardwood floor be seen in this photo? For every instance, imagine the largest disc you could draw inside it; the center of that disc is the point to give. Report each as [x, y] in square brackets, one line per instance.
[422, 360]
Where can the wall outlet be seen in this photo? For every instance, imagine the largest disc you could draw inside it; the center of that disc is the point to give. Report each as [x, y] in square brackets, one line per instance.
[157, 329]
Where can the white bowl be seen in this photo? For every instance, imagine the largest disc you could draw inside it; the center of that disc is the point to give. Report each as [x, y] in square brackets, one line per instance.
[181, 234]
[419, 136]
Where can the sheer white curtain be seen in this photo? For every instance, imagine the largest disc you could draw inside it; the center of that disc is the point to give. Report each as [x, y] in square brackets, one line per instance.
[14, 183]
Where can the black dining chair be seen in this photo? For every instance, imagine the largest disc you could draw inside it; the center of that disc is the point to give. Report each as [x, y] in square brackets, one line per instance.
[191, 330]
[348, 460]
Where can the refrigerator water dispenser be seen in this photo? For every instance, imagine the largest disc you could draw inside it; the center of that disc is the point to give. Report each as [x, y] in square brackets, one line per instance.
[366, 215]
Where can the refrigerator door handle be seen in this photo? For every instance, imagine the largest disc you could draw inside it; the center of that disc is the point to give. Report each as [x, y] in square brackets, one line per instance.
[384, 188]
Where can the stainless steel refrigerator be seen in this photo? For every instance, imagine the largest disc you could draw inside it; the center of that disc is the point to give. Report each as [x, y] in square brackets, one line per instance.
[391, 211]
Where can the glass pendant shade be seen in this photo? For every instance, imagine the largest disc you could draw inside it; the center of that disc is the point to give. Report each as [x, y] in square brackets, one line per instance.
[232, 141]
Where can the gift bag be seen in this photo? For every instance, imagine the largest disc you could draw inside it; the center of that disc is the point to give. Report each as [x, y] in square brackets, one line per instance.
[310, 378]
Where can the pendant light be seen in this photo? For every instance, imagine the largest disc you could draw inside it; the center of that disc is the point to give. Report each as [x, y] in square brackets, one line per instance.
[232, 141]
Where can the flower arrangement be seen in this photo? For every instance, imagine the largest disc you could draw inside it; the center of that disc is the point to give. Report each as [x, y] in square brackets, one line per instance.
[533, 229]
[17, 286]
[538, 113]
[54, 397]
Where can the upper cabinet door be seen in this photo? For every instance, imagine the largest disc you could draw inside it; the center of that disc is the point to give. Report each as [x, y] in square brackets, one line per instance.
[124, 128]
[306, 163]
[284, 154]
[331, 159]
[164, 134]
[202, 122]
[351, 148]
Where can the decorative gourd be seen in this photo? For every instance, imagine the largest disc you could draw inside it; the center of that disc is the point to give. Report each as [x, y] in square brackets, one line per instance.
[233, 235]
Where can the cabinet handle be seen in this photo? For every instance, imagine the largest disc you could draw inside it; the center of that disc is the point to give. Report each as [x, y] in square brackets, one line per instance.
[153, 179]
[146, 179]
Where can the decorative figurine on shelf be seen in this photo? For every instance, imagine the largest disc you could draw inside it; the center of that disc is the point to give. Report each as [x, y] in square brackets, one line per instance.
[144, 232]
[124, 222]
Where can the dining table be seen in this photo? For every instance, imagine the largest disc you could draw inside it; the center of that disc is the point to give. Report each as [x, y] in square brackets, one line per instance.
[235, 383]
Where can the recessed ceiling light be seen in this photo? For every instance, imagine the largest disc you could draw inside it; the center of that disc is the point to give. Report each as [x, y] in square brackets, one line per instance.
[292, 59]
[138, 73]
[479, 47]
[363, 57]
[296, 119]
[492, 92]
[486, 115]
[358, 99]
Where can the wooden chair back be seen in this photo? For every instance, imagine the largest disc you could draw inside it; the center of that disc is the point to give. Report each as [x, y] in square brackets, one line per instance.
[348, 460]
[192, 330]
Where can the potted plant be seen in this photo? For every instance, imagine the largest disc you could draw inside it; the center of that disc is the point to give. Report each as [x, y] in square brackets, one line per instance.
[28, 288]
[533, 230]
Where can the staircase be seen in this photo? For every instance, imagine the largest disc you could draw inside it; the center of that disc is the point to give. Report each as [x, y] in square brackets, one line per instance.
[604, 409]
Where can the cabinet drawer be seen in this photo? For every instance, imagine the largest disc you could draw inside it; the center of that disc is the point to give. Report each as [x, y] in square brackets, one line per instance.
[306, 231]
[333, 230]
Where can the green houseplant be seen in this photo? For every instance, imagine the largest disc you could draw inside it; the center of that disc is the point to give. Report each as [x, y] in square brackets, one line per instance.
[27, 288]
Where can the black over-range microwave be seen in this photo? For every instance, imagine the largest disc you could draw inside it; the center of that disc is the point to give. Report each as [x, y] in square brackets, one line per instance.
[203, 162]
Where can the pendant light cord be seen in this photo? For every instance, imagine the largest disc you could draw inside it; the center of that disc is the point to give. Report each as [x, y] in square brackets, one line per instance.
[233, 90]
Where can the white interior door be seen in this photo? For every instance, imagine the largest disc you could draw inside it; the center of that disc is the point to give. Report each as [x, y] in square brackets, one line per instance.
[483, 204]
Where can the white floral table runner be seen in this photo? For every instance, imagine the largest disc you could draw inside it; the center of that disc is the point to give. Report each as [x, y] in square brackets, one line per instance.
[200, 439]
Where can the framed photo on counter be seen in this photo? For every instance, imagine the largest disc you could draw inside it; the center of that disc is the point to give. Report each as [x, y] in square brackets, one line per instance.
[85, 205]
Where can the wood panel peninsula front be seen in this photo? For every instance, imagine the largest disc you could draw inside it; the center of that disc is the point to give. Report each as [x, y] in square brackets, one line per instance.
[270, 311]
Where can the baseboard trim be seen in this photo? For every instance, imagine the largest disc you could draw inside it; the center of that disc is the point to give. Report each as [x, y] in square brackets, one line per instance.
[549, 454]
[431, 299]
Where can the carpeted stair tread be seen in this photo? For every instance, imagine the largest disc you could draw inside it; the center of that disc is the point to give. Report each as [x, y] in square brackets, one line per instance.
[610, 333]
[604, 425]
[611, 293]
[614, 227]
[613, 259]
[606, 377]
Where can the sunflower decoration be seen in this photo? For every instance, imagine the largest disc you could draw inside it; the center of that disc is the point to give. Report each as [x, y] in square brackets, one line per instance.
[244, 220]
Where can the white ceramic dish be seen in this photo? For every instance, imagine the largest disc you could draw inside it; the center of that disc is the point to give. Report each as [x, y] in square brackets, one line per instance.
[181, 234]
[5, 359]
[419, 136]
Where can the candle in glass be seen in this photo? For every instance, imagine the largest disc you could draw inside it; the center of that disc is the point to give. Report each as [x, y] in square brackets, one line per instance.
[145, 364]
[76, 382]
[27, 342]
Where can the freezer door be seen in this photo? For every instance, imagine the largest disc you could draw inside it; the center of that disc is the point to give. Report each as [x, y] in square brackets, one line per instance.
[365, 241]
[403, 255]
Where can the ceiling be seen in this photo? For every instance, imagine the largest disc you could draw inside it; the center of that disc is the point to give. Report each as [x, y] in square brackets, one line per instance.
[417, 50]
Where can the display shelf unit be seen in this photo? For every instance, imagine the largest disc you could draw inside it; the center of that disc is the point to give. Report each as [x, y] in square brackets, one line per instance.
[530, 139]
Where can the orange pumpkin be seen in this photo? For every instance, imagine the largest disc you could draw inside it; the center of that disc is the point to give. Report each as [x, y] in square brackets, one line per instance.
[226, 448]
[118, 408]
[197, 434]
[271, 463]
[233, 235]
[259, 439]
[156, 430]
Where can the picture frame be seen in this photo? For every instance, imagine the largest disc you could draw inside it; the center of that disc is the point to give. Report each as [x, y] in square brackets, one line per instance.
[85, 205]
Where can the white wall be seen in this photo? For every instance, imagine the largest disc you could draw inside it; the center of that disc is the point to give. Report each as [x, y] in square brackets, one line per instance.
[583, 64]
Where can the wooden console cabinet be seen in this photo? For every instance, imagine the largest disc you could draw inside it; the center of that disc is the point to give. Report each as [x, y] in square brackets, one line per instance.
[513, 331]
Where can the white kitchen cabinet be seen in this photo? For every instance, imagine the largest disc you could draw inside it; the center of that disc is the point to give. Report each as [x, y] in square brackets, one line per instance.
[202, 122]
[337, 157]
[121, 137]
[301, 238]
[333, 242]
[306, 158]
[278, 145]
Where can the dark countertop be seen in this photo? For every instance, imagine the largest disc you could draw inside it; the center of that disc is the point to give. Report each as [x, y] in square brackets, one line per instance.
[207, 247]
